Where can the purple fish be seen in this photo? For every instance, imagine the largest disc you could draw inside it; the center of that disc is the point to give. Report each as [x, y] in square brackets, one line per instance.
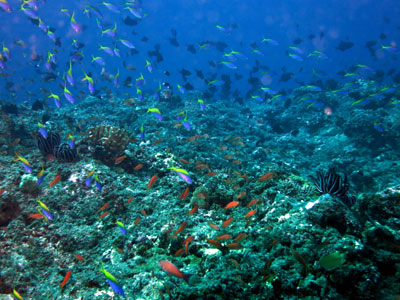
[185, 177]
[158, 116]
[69, 97]
[57, 102]
[70, 79]
[111, 7]
[46, 214]
[5, 6]
[116, 287]
[117, 53]
[88, 181]
[123, 230]
[27, 168]
[40, 180]
[43, 132]
[91, 87]
[30, 13]
[187, 125]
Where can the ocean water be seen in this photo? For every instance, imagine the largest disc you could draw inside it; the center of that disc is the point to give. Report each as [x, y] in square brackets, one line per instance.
[199, 149]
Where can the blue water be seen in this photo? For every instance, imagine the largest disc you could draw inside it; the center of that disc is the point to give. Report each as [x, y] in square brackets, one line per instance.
[195, 22]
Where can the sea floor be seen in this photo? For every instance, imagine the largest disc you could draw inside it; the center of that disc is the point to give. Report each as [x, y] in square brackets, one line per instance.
[291, 242]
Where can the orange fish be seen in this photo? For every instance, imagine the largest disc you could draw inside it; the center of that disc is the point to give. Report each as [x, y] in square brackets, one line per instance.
[235, 246]
[240, 237]
[78, 256]
[193, 210]
[143, 212]
[237, 162]
[66, 278]
[137, 220]
[227, 222]
[241, 195]
[214, 243]
[252, 202]
[249, 214]
[232, 204]
[138, 167]
[213, 226]
[104, 215]
[152, 181]
[119, 160]
[129, 200]
[224, 237]
[182, 227]
[56, 180]
[2, 191]
[104, 206]
[184, 194]
[173, 270]
[267, 176]
[36, 216]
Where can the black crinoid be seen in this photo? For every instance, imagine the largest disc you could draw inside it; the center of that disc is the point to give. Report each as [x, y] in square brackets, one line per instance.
[51, 146]
[65, 153]
[46, 145]
[332, 183]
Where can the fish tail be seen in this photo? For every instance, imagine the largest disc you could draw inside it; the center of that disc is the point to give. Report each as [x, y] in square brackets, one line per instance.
[186, 277]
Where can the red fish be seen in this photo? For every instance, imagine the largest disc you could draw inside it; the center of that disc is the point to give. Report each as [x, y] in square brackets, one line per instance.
[78, 256]
[138, 167]
[235, 246]
[56, 180]
[2, 191]
[193, 210]
[240, 237]
[182, 227]
[173, 270]
[104, 206]
[36, 216]
[210, 174]
[214, 243]
[129, 200]
[66, 278]
[184, 194]
[227, 222]
[179, 252]
[213, 226]
[137, 220]
[252, 202]
[152, 181]
[267, 176]
[104, 215]
[224, 237]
